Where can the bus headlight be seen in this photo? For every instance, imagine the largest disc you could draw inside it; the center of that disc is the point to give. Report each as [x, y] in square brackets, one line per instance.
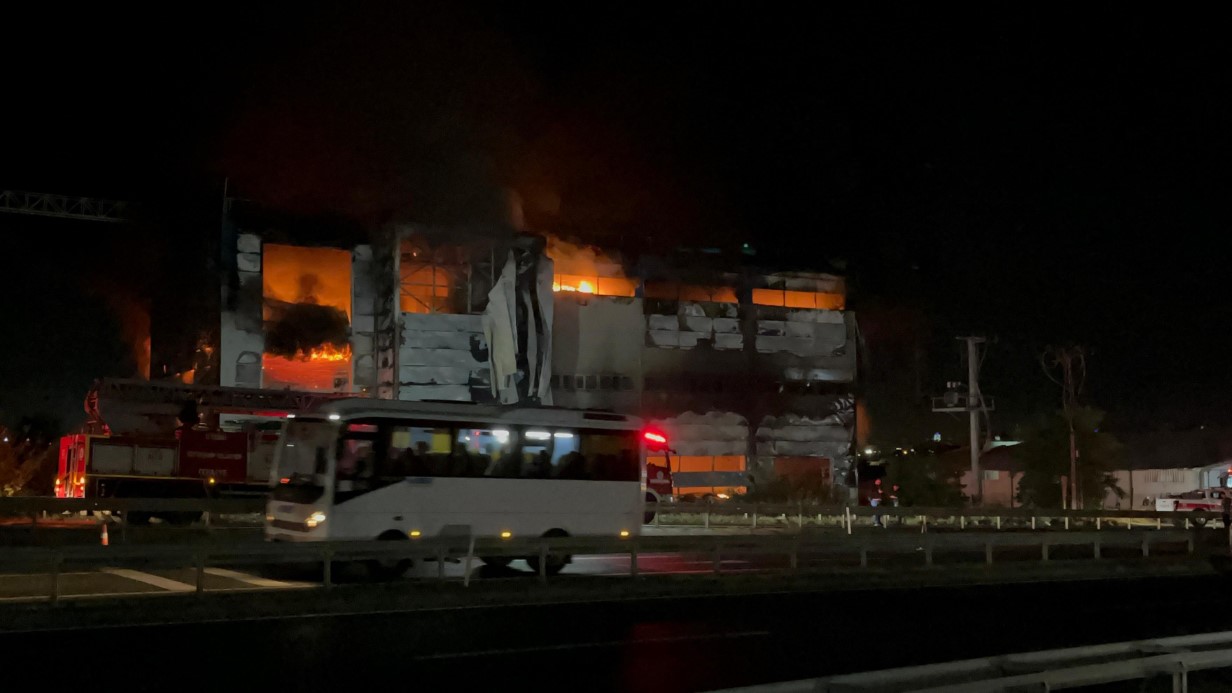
[269, 517]
[315, 519]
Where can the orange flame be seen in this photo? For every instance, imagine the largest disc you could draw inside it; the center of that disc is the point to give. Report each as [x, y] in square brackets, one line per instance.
[583, 287]
[328, 352]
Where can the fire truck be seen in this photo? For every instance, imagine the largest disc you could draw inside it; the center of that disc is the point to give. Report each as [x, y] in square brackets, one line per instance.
[149, 439]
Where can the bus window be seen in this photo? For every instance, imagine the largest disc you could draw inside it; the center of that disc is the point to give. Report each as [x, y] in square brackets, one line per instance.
[493, 451]
[536, 453]
[357, 457]
[417, 451]
[611, 455]
[567, 460]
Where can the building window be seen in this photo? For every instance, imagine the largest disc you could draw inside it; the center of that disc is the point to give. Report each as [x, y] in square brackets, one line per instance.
[248, 370]
[992, 475]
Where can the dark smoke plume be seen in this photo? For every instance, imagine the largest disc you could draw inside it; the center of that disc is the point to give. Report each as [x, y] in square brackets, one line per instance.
[298, 328]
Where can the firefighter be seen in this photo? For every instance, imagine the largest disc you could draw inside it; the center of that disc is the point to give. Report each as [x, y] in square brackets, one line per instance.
[1226, 506]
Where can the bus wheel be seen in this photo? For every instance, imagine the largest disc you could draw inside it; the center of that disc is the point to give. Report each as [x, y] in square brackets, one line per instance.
[1198, 521]
[649, 515]
[496, 561]
[393, 568]
[556, 562]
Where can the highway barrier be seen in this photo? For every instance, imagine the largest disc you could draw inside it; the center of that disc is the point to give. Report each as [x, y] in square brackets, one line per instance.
[728, 513]
[794, 552]
[1176, 658]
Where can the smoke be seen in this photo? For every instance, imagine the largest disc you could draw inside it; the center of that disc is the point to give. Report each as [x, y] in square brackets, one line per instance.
[132, 316]
[297, 328]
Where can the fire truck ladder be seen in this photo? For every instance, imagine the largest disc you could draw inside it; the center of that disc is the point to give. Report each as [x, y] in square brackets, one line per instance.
[236, 398]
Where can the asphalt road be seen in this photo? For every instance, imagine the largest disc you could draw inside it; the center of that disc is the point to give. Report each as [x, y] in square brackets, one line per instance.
[130, 580]
[685, 644]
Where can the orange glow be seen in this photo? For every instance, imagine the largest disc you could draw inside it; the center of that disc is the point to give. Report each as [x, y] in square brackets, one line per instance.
[318, 370]
[811, 300]
[586, 270]
[296, 274]
[425, 289]
[321, 276]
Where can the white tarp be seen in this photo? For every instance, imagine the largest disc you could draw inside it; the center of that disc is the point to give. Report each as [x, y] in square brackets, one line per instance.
[500, 327]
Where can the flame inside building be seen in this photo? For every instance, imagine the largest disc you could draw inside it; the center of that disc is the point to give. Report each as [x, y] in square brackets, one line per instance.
[306, 308]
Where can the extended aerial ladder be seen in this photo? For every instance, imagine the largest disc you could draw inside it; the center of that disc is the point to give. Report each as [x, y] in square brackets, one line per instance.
[152, 407]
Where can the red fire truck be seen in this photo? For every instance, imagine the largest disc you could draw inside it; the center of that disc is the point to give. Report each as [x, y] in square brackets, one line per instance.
[136, 446]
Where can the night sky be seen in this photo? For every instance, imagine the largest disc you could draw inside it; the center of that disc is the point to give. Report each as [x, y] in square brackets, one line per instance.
[1040, 177]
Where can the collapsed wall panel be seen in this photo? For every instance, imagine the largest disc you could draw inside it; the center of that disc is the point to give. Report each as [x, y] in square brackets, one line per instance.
[708, 451]
[793, 436]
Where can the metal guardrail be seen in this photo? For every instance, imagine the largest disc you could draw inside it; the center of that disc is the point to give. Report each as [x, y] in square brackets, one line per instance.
[991, 517]
[790, 547]
[733, 513]
[1049, 670]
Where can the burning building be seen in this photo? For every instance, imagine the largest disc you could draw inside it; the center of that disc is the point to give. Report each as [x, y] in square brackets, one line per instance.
[750, 373]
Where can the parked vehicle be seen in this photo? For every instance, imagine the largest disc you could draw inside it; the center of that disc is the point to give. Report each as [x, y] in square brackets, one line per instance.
[1200, 500]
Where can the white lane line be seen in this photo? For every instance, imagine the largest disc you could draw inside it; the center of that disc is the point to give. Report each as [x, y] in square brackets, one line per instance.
[29, 575]
[155, 580]
[254, 580]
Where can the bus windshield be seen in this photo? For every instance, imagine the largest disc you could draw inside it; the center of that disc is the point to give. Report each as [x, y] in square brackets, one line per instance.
[303, 455]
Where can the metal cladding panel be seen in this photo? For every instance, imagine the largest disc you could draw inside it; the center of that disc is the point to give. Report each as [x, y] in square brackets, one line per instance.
[598, 335]
[453, 393]
[709, 434]
[793, 435]
[434, 375]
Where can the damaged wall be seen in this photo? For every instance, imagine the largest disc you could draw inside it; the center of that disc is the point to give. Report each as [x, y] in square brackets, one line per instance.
[596, 352]
[443, 357]
[242, 335]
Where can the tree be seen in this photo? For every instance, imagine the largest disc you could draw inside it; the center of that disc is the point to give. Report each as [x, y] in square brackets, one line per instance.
[28, 456]
[1045, 457]
[22, 462]
[928, 478]
[1067, 367]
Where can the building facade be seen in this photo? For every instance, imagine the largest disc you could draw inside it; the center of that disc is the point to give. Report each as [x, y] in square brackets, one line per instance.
[750, 373]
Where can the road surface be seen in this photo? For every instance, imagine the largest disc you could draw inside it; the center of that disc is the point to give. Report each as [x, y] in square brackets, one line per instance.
[685, 644]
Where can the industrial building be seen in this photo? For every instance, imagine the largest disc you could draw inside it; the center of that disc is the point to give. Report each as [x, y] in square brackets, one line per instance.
[750, 372]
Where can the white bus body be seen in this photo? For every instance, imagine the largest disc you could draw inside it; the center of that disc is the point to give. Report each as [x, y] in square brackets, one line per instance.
[379, 469]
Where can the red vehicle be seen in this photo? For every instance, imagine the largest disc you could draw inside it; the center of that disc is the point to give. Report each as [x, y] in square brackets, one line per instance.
[658, 477]
[136, 447]
[192, 464]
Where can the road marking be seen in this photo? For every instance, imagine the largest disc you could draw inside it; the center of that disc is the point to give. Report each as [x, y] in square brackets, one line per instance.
[155, 580]
[254, 580]
[40, 574]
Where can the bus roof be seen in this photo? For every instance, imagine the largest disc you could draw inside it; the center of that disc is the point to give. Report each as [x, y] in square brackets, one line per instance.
[361, 407]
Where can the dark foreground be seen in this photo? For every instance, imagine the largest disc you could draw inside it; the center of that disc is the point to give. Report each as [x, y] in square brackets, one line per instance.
[663, 644]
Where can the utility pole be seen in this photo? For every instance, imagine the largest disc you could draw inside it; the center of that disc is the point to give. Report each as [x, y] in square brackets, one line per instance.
[975, 406]
[1067, 360]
